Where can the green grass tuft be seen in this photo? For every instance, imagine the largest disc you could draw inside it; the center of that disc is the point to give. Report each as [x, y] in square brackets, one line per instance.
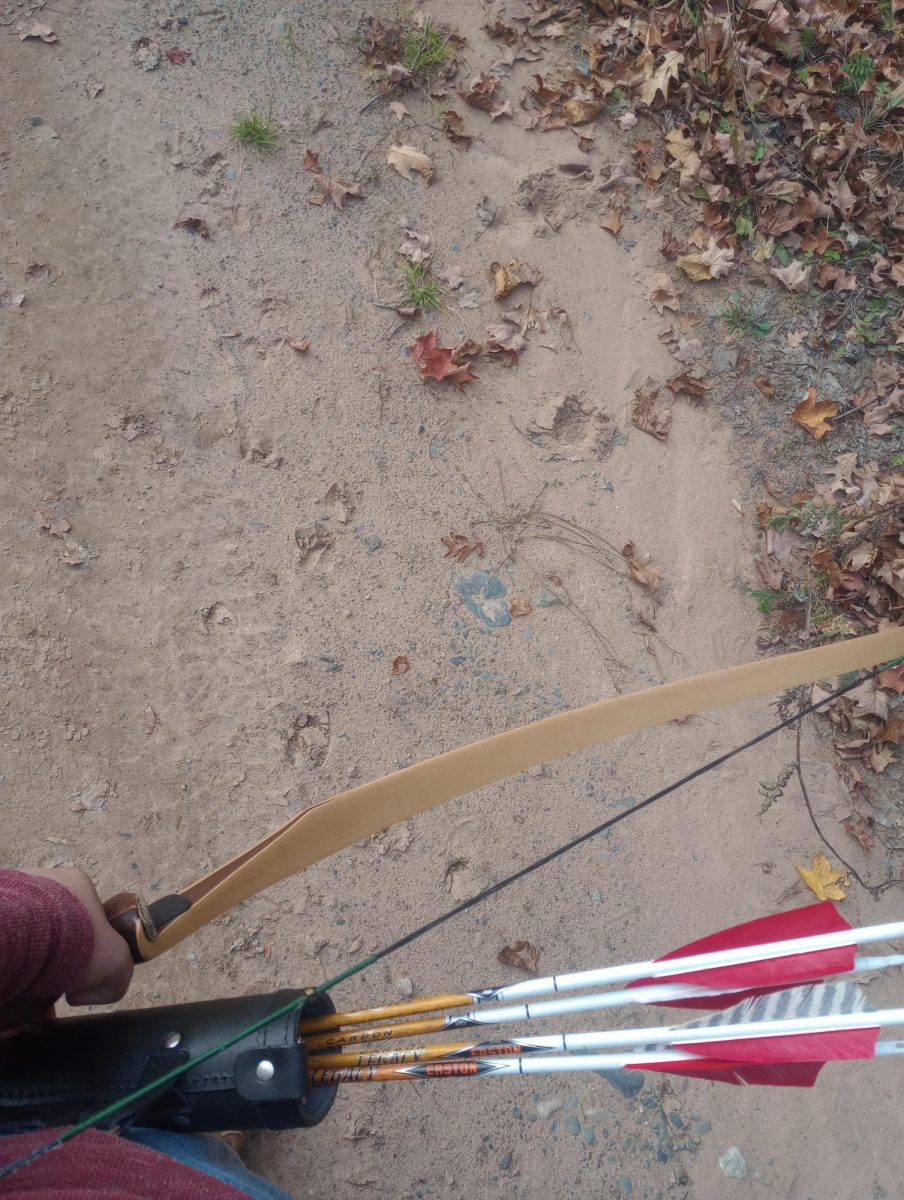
[255, 130]
[424, 48]
[421, 289]
[744, 319]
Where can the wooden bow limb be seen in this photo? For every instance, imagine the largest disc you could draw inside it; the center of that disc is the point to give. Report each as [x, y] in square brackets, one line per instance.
[352, 816]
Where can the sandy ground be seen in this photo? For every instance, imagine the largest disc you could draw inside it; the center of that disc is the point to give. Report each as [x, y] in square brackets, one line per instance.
[194, 682]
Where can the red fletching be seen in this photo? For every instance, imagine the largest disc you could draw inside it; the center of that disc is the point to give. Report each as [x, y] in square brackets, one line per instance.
[756, 978]
[722, 1071]
[826, 1045]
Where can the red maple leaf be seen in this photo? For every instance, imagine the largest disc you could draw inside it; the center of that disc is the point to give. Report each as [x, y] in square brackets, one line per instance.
[435, 362]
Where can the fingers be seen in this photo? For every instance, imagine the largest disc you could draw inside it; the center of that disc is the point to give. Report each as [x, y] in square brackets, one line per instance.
[107, 976]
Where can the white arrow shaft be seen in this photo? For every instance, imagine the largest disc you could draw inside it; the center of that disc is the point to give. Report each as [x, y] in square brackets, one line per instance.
[651, 994]
[625, 973]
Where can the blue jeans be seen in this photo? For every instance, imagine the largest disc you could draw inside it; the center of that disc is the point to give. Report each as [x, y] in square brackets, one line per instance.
[208, 1153]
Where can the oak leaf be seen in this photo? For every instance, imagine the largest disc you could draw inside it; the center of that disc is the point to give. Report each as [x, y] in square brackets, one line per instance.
[658, 79]
[459, 546]
[407, 159]
[523, 956]
[814, 414]
[436, 362]
[481, 91]
[823, 879]
[335, 190]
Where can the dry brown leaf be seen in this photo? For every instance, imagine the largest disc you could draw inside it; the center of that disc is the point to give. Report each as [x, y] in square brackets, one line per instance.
[522, 956]
[398, 110]
[670, 246]
[682, 148]
[764, 386]
[641, 572]
[795, 277]
[520, 608]
[711, 263]
[892, 678]
[814, 414]
[43, 518]
[481, 91]
[460, 546]
[823, 879]
[454, 129]
[311, 161]
[861, 828]
[193, 225]
[335, 190]
[299, 345]
[579, 112]
[892, 731]
[648, 416]
[658, 78]
[508, 276]
[407, 160]
[401, 665]
[688, 384]
[613, 221]
[664, 292]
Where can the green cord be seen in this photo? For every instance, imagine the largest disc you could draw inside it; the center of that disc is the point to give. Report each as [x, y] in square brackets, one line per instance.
[147, 1089]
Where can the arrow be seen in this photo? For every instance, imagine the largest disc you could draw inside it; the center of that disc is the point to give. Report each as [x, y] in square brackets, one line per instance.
[803, 945]
[677, 995]
[783, 1039]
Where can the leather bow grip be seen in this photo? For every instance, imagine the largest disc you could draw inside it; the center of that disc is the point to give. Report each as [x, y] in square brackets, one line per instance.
[139, 923]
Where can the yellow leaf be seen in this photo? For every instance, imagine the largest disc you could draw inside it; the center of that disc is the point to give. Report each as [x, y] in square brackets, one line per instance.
[813, 414]
[823, 879]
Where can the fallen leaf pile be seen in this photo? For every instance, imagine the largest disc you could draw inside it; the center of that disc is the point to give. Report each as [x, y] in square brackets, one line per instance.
[783, 125]
[383, 46]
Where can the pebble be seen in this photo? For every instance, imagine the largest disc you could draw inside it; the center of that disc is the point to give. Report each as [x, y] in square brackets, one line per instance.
[405, 988]
[373, 543]
[724, 358]
[698, 1128]
[573, 1126]
[516, 1112]
[675, 1119]
[732, 1163]
[589, 1135]
[545, 1108]
[505, 1160]
[626, 1185]
[629, 1083]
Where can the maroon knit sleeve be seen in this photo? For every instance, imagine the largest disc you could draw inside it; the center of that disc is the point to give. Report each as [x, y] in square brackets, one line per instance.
[46, 938]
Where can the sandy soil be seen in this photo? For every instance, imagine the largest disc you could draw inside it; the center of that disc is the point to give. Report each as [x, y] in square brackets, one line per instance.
[196, 680]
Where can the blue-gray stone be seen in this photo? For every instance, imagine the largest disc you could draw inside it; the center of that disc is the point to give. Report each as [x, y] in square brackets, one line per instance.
[589, 1135]
[698, 1128]
[732, 1163]
[573, 1126]
[629, 1083]
[626, 1185]
[505, 1160]
[676, 1120]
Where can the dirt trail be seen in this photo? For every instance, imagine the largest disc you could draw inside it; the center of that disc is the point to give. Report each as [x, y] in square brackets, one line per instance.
[195, 682]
